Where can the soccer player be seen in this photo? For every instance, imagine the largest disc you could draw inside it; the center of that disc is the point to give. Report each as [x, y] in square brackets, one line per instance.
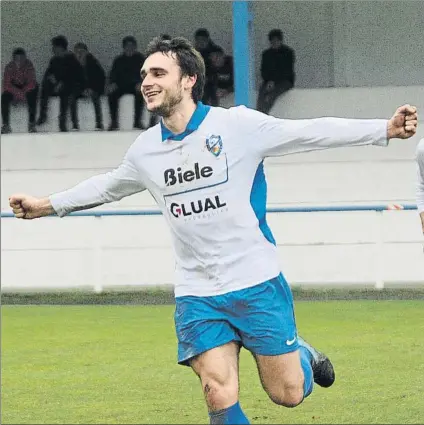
[204, 167]
[420, 183]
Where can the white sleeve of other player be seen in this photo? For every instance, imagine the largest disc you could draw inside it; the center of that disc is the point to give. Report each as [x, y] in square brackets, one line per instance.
[420, 176]
[112, 186]
[272, 136]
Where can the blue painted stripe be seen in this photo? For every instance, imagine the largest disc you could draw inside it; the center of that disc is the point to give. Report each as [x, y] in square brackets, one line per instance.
[258, 202]
[244, 75]
[331, 208]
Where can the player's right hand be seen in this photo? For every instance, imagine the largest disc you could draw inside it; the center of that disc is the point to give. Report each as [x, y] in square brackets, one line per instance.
[26, 207]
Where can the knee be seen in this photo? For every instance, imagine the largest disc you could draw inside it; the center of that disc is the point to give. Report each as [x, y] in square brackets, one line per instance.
[219, 390]
[287, 396]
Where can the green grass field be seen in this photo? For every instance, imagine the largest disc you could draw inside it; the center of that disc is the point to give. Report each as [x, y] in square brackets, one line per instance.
[117, 365]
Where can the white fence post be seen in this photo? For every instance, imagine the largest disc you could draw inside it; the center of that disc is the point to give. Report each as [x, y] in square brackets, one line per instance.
[379, 271]
[97, 247]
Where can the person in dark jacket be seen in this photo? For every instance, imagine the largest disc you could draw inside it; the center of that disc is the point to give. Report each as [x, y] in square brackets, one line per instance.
[277, 71]
[205, 46]
[223, 72]
[64, 77]
[125, 78]
[94, 80]
[19, 85]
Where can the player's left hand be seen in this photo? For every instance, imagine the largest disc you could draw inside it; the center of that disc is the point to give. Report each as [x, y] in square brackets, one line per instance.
[403, 124]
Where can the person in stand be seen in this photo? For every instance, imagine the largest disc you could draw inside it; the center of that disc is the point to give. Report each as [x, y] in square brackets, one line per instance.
[19, 85]
[94, 80]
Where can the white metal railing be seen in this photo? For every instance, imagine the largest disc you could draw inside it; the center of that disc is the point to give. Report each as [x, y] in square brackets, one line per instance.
[378, 242]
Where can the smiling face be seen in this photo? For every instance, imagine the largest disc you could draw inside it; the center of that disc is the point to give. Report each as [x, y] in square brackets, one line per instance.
[163, 87]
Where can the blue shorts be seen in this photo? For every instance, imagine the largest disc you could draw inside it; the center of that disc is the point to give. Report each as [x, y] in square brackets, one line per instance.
[260, 318]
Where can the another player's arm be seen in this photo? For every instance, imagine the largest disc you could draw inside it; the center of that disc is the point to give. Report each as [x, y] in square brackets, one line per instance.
[274, 137]
[112, 186]
[420, 181]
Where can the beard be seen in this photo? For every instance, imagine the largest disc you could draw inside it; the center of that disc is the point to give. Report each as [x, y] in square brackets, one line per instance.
[171, 101]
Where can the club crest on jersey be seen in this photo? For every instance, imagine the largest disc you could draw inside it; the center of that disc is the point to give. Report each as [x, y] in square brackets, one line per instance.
[214, 144]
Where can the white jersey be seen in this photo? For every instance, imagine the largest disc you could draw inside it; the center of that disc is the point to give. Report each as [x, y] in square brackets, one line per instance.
[420, 176]
[210, 185]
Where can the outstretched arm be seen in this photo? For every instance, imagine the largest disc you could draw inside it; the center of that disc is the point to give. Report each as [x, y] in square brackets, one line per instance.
[271, 136]
[97, 190]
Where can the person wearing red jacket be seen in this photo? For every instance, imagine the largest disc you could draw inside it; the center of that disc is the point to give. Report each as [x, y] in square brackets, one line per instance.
[19, 85]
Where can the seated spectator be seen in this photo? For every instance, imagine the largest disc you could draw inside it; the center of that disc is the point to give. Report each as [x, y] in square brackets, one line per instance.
[223, 72]
[19, 85]
[64, 77]
[204, 45]
[277, 71]
[125, 78]
[94, 80]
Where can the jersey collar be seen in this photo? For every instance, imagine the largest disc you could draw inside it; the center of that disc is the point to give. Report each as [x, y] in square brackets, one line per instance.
[196, 119]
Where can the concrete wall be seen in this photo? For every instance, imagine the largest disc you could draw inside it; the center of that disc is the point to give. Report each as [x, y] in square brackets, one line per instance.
[337, 43]
[315, 248]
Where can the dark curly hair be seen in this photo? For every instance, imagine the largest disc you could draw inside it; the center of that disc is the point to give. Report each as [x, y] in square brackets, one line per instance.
[188, 58]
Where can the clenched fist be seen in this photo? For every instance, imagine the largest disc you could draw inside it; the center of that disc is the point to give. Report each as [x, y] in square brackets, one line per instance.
[29, 207]
[403, 124]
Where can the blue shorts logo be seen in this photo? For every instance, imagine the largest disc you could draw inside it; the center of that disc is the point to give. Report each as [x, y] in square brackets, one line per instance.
[214, 145]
